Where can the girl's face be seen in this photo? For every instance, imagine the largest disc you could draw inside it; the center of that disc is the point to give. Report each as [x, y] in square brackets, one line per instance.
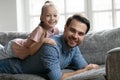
[49, 17]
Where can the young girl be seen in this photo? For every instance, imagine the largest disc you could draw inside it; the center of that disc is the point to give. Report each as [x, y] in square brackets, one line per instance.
[22, 48]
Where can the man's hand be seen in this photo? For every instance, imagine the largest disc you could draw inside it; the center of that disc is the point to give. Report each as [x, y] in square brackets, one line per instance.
[92, 66]
[88, 67]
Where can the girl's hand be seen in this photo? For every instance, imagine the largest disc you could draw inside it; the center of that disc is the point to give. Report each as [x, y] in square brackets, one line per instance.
[50, 41]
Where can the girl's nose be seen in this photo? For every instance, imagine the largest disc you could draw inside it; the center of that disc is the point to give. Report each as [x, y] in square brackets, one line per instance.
[52, 17]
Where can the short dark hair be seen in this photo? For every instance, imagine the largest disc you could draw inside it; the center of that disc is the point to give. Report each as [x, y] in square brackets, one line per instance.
[80, 18]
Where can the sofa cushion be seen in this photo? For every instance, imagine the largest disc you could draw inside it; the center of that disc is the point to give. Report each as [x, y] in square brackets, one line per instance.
[20, 77]
[88, 75]
[7, 36]
[96, 44]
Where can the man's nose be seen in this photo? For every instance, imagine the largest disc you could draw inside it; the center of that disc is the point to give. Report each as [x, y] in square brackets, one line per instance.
[75, 35]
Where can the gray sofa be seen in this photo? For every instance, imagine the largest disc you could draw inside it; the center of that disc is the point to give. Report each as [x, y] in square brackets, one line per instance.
[95, 49]
[112, 64]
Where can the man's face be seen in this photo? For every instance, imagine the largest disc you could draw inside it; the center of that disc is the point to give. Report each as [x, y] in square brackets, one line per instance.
[74, 33]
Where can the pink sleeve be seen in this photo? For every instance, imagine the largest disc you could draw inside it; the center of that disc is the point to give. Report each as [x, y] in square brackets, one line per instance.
[56, 31]
[36, 34]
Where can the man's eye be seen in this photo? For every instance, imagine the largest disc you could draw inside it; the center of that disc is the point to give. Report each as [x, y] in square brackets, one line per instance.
[81, 34]
[72, 30]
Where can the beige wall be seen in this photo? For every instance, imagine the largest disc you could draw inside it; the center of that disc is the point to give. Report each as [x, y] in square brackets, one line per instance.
[8, 15]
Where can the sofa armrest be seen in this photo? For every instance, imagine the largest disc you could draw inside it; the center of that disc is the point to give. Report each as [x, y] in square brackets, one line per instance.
[113, 64]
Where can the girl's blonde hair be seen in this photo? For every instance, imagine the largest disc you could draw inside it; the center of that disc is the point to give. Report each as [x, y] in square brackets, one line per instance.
[46, 4]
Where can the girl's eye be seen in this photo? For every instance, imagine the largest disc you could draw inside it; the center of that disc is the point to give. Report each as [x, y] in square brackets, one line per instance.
[47, 15]
[55, 15]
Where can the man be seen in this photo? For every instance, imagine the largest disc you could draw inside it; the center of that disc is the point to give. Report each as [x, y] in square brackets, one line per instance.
[52, 59]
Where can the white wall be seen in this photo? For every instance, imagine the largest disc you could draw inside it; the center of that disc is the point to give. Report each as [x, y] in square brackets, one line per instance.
[22, 15]
[8, 15]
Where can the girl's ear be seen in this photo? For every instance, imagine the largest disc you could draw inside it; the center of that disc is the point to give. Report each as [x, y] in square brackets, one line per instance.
[40, 18]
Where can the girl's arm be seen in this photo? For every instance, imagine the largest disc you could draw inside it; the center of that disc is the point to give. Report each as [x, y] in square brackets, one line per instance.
[38, 45]
[37, 31]
[34, 46]
[29, 43]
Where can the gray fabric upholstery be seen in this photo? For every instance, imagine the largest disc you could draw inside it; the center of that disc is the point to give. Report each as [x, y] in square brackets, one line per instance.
[96, 45]
[94, 49]
[20, 77]
[112, 64]
[7, 36]
[98, 74]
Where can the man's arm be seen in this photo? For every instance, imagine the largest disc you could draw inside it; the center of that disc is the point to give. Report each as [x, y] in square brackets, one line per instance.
[50, 58]
[80, 64]
[88, 67]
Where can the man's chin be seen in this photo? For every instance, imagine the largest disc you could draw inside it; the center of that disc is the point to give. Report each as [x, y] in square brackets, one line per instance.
[71, 46]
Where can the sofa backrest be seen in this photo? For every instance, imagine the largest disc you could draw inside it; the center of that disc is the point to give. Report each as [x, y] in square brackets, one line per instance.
[96, 45]
[7, 36]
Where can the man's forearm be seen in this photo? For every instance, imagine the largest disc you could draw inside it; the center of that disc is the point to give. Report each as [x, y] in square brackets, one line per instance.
[88, 67]
[65, 75]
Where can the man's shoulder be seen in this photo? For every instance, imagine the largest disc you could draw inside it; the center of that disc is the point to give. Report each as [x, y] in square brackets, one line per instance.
[47, 45]
[57, 38]
[48, 48]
